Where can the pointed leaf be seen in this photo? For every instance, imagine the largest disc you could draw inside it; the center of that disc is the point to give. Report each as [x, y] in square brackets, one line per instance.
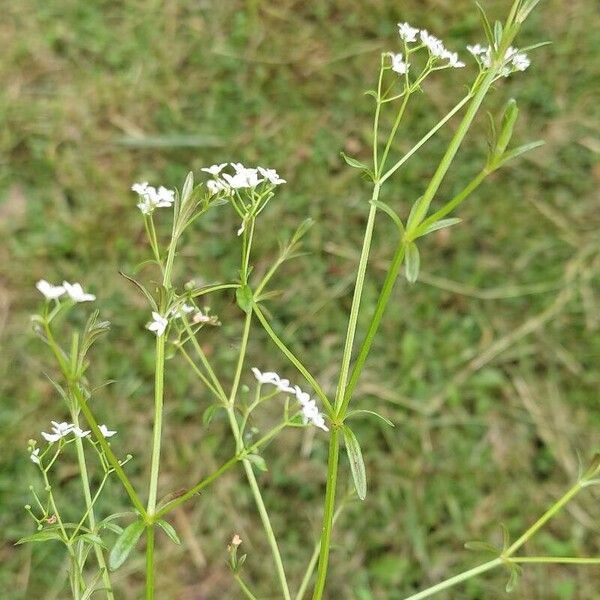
[40, 536]
[513, 579]
[482, 547]
[169, 530]
[125, 543]
[369, 412]
[389, 211]
[505, 537]
[414, 218]
[497, 34]
[258, 461]
[244, 298]
[144, 291]
[487, 28]
[210, 412]
[93, 539]
[188, 186]
[520, 150]
[357, 465]
[412, 262]
[353, 162]
[441, 224]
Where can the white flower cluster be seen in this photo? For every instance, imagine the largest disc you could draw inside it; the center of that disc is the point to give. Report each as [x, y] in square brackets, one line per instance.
[241, 178]
[151, 198]
[73, 290]
[435, 47]
[310, 410]
[159, 324]
[514, 59]
[62, 430]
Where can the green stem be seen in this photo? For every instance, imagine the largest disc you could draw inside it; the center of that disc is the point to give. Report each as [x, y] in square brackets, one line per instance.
[382, 302]
[558, 560]
[332, 469]
[556, 507]
[150, 562]
[394, 130]
[244, 588]
[448, 583]
[158, 414]
[293, 359]
[358, 288]
[89, 504]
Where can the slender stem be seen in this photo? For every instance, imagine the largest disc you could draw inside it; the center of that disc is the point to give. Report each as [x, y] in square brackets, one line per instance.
[293, 359]
[559, 560]
[89, 504]
[358, 288]
[332, 469]
[150, 562]
[545, 518]
[448, 583]
[382, 302]
[424, 139]
[199, 373]
[158, 414]
[244, 588]
[376, 120]
[394, 130]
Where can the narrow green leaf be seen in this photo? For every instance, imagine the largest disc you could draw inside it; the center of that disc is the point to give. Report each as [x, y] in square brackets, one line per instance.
[412, 262]
[91, 587]
[244, 298]
[505, 537]
[144, 291]
[389, 211]
[526, 9]
[441, 224]
[357, 465]
[509, 118]
[520, 150]
[188, 187]
[359, 411]
[93, 539]
[210, 412]
[353, 162]
[414, 217]
[40, 536]
[111, 527]
[169, 530]
[513, 579]
[487, 28]
[497, 34]
[125, 544]
[482, 547]
[258, 461]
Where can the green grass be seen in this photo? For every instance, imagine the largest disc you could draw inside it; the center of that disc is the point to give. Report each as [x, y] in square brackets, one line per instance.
[488, 366]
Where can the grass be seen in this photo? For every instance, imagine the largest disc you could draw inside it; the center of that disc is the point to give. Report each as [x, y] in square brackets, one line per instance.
[488, 366]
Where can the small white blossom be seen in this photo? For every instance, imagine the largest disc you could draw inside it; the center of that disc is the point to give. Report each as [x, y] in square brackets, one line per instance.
[35, 456]
[266, 377]
[76, 293]
[79, 432]
[214, 169]
[271, 176]
[51, 292]
[180, 311]
[243, 178]
[105, 431]
[521, 61]
[477, 49]
[407, 32]
[514, 60]
[433, 44]
[398, 64]
[453, 60]
[152, 198]
[158, 325]
[59, 430]
[215, 186]
[310, 410]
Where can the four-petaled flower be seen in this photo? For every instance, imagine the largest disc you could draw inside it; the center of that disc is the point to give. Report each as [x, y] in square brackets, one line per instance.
[152, 198]
[398, 64]
[407, 32]
[59, 431]
[35, 456]
[158, 325]
[51, 292]
[105, 431]
[76, 293]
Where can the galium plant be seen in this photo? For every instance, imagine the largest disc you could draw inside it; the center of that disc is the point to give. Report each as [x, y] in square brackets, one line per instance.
[178, 316]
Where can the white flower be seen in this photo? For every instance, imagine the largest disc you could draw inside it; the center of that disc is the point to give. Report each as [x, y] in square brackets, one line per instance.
[453, 60]
[158, 325]
[215, 186]
[79, 432]
[266, 377]
[200, 317]
[35, 456]
[152, 198]
[433, 44]
[310, 411]
[520, 61]
[105, 431]
[59, 430]
[180, 311]
[407, 32]
[271, 176]
[246, 178]
[398, 64]
[76, 293]
[514, 60]
[51, 292]
[214, 169]
[477, 49]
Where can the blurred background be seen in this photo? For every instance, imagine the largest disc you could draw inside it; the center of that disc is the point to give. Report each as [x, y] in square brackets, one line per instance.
[488, 366]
